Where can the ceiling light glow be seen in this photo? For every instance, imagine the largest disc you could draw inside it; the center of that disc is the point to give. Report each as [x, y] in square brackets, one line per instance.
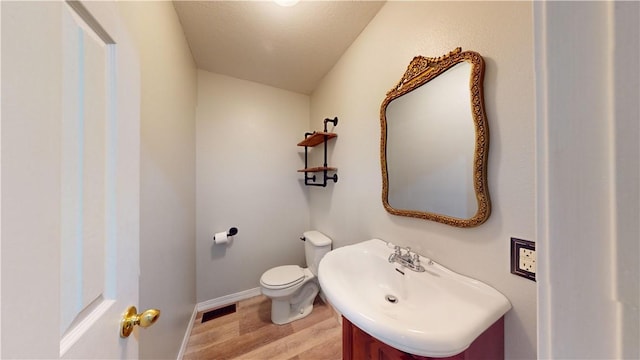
[286, 3]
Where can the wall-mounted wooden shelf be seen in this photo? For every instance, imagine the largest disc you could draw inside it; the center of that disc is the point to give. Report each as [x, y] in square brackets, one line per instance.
[318, 169]
[313, 139]
[317, 138]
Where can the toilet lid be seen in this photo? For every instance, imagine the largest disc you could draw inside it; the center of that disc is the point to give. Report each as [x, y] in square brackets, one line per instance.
[282, 276]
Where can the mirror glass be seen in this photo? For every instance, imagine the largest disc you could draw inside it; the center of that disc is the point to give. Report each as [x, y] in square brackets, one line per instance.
[430, 143]
[434, 142]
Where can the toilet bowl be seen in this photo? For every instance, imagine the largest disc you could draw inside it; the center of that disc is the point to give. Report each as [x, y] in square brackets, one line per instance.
[293, 289]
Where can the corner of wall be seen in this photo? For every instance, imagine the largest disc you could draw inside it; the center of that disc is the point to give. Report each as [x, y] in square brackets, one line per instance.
[167, 188]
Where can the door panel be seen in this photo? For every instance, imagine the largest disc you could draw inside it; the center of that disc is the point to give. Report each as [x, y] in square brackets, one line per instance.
[70, 180]
[84, 150]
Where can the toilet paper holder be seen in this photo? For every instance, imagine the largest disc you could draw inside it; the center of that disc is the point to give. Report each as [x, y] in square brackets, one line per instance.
[231, 232]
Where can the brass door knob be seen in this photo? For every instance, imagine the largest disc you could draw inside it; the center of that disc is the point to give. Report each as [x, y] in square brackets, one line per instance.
[131, 318]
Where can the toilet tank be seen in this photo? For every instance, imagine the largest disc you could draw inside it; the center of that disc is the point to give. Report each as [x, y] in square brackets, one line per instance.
[316, 246]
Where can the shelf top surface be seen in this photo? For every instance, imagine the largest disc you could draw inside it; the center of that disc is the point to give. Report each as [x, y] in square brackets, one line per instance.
[318, 169]
[316, 138]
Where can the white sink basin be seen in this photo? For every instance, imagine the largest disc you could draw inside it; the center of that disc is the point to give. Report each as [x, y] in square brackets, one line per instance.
[438, 313]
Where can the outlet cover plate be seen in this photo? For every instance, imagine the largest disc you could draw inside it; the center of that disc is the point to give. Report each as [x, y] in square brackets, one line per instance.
[523, 258]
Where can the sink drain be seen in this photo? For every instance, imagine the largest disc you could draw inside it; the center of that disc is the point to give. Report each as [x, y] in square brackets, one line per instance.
[392, 299]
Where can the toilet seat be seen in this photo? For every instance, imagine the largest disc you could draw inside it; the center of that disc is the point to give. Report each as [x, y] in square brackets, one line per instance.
[282, 277]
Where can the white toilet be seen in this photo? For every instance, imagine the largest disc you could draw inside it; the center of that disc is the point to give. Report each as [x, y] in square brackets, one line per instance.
[293, 289]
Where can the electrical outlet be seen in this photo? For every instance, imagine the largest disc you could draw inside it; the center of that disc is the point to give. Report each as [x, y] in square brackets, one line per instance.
[523, 258]
[527, 260]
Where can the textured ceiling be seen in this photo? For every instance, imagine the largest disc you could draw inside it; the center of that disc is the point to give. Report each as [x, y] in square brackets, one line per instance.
[290, 48]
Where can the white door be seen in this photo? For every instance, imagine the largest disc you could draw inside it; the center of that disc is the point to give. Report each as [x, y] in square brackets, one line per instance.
[70, 181]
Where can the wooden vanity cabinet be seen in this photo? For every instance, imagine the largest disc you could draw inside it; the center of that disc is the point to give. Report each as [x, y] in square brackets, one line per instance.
[358, 345]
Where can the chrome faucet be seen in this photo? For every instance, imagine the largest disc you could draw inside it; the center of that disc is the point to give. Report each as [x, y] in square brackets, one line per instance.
[407, 259]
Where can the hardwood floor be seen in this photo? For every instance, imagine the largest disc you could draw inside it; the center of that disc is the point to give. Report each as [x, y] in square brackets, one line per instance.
[249, 334]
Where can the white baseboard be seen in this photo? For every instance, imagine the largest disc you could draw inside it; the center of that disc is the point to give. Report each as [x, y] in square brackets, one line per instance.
[185, 339]
[212, 304]
[227, 299]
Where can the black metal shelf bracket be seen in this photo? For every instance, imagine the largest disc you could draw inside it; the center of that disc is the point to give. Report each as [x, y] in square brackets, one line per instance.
[324, 182]
[311, 179]
[334, 121]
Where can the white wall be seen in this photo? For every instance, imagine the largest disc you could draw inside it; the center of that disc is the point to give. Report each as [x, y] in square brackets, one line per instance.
[588, 84]
[167, 184]
[246, 161]
[351, 210]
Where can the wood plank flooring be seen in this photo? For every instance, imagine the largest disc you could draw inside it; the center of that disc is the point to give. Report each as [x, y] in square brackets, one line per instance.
[249, 334]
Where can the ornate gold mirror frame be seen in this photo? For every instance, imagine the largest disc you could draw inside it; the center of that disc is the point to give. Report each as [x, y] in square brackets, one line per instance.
[420, 71]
